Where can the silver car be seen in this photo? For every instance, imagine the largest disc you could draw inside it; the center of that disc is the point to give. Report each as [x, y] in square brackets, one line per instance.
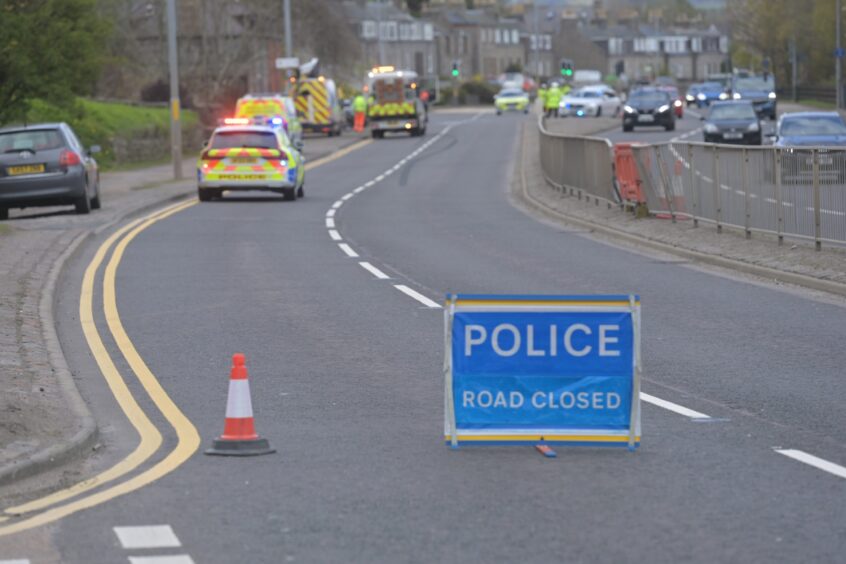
[46, 165]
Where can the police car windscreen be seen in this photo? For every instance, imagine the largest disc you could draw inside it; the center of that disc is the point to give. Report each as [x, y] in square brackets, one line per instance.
[235, 139]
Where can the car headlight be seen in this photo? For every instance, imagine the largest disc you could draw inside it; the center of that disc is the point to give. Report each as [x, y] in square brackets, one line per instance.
[664, 108]
[700, 96]
[771, 96]
[736, 96]
[724, 95]
[753, 127]
[629, 110]
[711, 128]
[677, 103]
[689, 98]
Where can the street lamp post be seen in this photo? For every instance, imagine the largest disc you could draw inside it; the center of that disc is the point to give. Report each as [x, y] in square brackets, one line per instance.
[288, 42]
[175, 124]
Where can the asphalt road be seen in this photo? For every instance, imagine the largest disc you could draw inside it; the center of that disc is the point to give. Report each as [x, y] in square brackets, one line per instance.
[347, 383]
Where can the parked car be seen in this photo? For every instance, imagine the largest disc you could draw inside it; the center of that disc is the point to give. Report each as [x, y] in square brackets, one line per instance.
[46, 165]
[759, 90]
[732, 122]
[797, 133]
[678, 101]
[591, 101]
[649, 107]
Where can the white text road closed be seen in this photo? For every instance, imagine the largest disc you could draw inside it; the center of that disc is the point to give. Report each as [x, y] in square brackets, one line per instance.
[520, 372]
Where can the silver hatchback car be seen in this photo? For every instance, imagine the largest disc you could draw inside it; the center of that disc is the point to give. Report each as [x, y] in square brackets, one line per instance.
[46, 165]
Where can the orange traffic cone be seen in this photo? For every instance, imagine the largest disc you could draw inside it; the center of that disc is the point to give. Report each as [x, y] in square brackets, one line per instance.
[239, 436]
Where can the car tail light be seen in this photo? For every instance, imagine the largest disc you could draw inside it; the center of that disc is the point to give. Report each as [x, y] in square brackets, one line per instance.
[283, 158]
[68, 159]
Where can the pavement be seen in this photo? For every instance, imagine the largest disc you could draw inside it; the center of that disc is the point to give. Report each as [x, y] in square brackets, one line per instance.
[343, 335]
[44, 424]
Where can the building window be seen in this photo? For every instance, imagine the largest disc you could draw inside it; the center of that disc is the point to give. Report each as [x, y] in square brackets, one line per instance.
[674, 45]
[696, 44]
[404, 32]
[615, 46]
[499, 36]
[515, 36]
[368, 30]
[547, 42]
[428, 33]
[724, 44]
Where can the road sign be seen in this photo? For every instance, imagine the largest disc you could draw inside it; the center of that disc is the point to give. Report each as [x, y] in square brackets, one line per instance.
[287, 63]
[840, 52]
[542, 370]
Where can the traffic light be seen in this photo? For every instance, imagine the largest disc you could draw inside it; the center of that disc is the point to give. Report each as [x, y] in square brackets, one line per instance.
[455, 71]
[566, 68]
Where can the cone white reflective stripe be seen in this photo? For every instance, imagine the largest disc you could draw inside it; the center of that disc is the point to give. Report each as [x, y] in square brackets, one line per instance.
[238, 404]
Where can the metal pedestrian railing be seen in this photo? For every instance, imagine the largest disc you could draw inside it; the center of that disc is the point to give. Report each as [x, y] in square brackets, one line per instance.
[788, 192]
[582, 166]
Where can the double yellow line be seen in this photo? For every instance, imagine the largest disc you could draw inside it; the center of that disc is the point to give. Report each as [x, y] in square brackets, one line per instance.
[49, 508]
[188, 440]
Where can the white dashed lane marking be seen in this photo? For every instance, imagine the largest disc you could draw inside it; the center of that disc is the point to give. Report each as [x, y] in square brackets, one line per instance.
[348, 250]
[335, 235]
[21, 561]
[373, 270]
[815, 461]
[175, 559]
[674, 407]
[148, 536]
[417, 296]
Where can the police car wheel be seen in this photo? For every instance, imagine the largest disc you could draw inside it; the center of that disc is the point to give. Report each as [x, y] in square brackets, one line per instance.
[300, 192]
[204, 195]
[289, 194]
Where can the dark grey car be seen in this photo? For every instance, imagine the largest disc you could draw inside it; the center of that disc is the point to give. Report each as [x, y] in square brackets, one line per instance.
[732, 122]
[46, 165]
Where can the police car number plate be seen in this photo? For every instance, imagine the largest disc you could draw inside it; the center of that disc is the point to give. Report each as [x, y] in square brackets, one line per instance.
[242, 160]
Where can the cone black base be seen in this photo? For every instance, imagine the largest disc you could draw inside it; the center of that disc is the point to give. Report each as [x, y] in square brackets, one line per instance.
[240, 448]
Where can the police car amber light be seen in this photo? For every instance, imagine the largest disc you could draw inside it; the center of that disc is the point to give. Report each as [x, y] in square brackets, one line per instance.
[236, 121]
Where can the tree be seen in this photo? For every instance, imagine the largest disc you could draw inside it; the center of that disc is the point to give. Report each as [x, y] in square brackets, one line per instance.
[50, 49]
[415, 6]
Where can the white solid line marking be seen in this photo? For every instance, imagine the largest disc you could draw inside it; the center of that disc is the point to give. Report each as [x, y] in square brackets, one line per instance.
[330, 223]
[338, 204]
[335, 235]
[346, 197]
[373, 270]
[680, 409]
[175, 559]
[417, 296]
[331, 213]
[348, 250]
[21, 561]
[151, 536]
[814, 461]
[359, 190]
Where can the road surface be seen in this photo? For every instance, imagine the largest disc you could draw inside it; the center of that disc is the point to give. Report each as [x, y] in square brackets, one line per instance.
[345, 361]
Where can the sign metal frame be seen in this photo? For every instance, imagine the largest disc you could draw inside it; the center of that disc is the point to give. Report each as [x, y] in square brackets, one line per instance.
[457, 303]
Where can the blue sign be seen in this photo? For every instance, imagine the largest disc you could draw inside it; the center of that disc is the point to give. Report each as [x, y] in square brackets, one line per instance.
[840, 53]
[542, 370]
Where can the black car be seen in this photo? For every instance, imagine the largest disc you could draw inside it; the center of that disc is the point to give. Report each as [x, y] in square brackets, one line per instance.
[732, 122]
[46, 165]
[759, 90]
[649, 107]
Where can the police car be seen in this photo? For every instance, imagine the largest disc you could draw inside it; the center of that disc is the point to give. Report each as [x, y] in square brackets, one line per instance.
[272, 110]
[250, 157]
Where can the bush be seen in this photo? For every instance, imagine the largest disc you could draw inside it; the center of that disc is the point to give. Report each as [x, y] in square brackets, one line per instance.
[100, 123]
[478, 90]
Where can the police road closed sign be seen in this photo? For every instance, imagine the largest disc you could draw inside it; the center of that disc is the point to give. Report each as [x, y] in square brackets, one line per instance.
[542, 370]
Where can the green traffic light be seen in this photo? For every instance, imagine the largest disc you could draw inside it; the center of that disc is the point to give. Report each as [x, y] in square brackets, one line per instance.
[454, 72]
[568, 72]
